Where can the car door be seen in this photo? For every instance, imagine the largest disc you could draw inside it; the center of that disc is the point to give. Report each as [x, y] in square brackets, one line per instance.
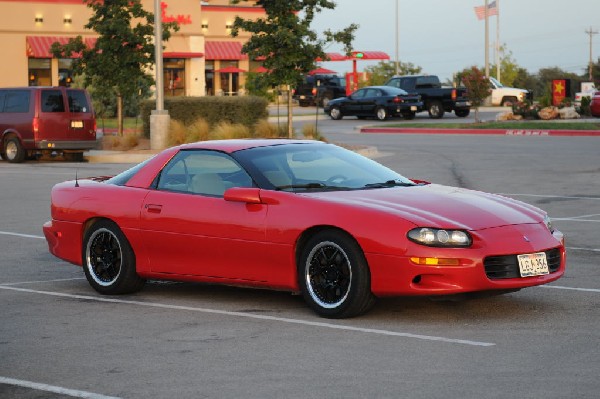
[189, 229]
[353, 103]
[370, 101]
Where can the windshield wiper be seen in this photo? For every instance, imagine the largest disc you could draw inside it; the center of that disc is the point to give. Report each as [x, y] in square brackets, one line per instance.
[389, 183]
[311, 186]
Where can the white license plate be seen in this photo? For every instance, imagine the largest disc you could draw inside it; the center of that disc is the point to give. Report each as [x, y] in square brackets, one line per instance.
[302, 97]
[533, 264]
[413, 107]
[77, 124]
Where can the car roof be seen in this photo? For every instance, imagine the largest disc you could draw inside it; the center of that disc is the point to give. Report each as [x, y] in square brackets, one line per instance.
[230, 146]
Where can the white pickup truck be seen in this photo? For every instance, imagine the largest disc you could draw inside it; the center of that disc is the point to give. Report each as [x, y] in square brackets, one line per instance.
[587, 90]
[504, 96]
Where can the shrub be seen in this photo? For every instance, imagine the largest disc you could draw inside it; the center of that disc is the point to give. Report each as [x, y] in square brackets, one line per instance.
[245, 110]
[311, 132]
[526, 109]
[585, 106]
[226, 130]
[269, 130]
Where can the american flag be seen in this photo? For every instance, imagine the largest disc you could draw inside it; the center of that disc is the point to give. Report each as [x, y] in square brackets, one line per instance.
[492, 10]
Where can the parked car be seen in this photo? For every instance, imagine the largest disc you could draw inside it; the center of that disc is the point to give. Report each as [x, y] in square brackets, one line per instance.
[587, 90]
[437, 100]
[36, 120]
[380, 102]
[595, 104]
[319, 89]
[301, 216]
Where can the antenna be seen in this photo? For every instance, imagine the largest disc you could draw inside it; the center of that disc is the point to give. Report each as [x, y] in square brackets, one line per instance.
[76, 181]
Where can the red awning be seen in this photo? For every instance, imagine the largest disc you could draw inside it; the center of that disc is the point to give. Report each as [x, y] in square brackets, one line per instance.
[371, 55]
[321, 71]
[224, 51]
[39, 46]
[333, 57]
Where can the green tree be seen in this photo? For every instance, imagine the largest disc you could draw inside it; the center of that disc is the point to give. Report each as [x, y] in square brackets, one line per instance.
[384, 70]
[478, 87]
[122, 54]
[286, 43]
[509, 68]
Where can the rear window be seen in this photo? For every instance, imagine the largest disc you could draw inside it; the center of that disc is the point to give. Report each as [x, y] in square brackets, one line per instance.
[17, 101]
[52, 101]
[78, 101]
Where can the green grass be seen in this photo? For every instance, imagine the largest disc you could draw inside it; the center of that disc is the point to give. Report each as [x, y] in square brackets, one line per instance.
[528, 125]
[128, 123]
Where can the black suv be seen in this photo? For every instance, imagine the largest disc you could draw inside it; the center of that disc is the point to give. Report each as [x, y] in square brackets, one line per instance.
[319, 89]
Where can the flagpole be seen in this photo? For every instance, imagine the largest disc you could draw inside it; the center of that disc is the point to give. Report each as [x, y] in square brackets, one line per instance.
[498, 40]
[487, 40]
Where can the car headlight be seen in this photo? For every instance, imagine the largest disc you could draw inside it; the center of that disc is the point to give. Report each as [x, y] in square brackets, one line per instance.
[548, 223]
[440, 237]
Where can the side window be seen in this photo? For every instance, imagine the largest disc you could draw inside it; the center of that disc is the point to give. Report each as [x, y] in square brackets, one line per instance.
[406, 84]
[2, 97]
[52, 101]
[359, 94]
[202, 172]
[395, 82]
[77, 101]
[17, 101]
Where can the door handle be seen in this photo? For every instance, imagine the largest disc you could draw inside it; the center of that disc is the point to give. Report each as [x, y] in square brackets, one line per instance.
[153, 208]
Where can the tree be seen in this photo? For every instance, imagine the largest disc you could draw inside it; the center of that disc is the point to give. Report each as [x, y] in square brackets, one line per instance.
[509, 68]
[122, 54]
[285, 42]
[384, 70]
[478, 87]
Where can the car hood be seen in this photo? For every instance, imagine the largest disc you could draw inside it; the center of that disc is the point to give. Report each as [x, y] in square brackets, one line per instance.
[435, 205]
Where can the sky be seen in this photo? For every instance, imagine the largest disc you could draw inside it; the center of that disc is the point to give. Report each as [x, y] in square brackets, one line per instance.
[445, 36]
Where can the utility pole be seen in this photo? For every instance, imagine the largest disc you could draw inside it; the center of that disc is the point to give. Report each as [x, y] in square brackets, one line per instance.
[591, 32]
[397, 38]
[487, 41]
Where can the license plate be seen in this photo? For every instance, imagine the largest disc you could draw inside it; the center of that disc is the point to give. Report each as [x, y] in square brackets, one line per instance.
[77, 124]
[533, 264]
[413, 107]
[302, 97]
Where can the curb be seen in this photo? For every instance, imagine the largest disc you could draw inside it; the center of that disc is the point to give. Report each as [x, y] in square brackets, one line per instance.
[497, 132]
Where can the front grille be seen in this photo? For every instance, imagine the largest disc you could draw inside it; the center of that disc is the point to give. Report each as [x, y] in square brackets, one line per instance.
[507, 266]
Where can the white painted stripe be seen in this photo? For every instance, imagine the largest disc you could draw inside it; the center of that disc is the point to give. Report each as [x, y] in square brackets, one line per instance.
[558, 287]
[44, 281]
[256, 316]
[52, 388]
[549, 196]
[583, 249]
[575, 220]
[8, 233]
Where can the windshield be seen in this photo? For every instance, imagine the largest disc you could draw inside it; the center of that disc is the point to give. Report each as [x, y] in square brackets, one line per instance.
[496, 82]
[316, 166]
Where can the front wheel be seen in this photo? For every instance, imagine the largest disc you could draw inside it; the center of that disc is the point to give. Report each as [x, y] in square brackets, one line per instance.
[334, 276]
[436, 110]
[335, 113]
[109, 261]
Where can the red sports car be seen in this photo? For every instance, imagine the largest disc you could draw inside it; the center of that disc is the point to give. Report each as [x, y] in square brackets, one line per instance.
[300, 216]
[595, 104]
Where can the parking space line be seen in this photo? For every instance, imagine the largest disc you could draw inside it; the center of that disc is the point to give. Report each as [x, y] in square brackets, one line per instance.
[549, 196]
[8, 233]
[54, 389]
[559, 287]
[42, 281]
[256, 317]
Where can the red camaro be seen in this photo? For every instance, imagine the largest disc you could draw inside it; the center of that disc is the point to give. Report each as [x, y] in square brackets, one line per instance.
[301, 216]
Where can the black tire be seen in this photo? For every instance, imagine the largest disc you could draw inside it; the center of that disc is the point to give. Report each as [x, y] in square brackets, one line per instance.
[381, 113]
[409, 115]
[325, 100]
[462, 113]
[334, 276]
[436, 110]
[13, 150]
[336, 113]
[109, 261]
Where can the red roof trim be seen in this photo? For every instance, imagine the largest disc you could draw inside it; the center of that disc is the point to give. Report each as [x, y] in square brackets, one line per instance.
[182, 54]
[233, 9]
[39, 46]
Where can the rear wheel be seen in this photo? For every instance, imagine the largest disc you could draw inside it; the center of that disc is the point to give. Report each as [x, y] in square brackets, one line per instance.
[109, 261]
[436, 110]
[334, 276]
[13, 150]
[335, 113]
[509, 101]
[381, 113]
[462, 113]
[325, 100]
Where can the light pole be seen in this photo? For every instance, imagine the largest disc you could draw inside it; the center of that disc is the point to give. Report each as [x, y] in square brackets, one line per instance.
[397, 38]
[159, 117]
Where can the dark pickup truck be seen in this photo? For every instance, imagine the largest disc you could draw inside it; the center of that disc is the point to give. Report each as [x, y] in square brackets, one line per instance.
[436, 99]
[319, 89]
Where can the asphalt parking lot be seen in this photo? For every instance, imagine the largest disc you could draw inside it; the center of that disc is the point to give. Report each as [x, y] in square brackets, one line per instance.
[60, 339]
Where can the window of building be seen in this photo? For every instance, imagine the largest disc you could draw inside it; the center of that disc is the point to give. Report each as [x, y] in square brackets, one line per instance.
[209, 75]
[174, 76]
[230, 80]
[40, 72]
[65, 71]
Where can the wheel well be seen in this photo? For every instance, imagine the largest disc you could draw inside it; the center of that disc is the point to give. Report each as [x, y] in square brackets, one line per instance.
[90, 222]
[307, 234]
